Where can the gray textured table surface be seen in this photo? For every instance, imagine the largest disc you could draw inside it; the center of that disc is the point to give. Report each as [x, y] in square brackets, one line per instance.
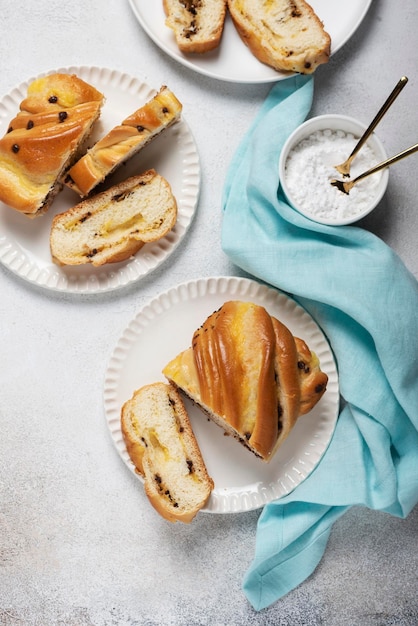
[79, 544]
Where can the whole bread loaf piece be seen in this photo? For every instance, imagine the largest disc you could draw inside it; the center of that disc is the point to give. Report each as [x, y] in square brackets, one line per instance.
[124, 141]
[162, 446]
[284, 34]
[44, 139]
[250, 375]
[113, 225]
[197, 24]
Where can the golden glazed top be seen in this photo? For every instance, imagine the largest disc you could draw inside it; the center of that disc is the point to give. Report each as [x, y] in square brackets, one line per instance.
[247, 367]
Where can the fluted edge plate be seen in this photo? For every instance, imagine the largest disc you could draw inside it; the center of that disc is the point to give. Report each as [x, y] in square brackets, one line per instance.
[163, 328]
[24, 242]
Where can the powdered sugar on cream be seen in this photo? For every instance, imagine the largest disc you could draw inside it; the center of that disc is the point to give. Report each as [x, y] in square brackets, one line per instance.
[310, 167]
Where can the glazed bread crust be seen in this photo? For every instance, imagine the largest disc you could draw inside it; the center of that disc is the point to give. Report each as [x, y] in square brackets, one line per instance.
[124, 141]
[162, 446]
[284, 34]
[197, 24]
[112, 226]
[44, 139]
[250, 375]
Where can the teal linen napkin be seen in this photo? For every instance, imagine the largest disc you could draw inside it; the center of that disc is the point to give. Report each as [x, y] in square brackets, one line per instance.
[366, 301]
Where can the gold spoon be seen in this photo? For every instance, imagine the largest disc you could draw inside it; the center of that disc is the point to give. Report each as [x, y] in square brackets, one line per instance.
[344, 168]
[346, 186]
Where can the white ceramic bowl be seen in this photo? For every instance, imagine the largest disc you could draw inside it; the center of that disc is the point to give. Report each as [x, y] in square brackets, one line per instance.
[308, 189]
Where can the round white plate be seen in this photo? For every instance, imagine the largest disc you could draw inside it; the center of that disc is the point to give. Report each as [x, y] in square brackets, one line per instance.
[24, 242]
[165, 327]
[232, 61]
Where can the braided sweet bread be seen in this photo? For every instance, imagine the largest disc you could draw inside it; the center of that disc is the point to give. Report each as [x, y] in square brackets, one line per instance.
[250, 375]
[44, 139]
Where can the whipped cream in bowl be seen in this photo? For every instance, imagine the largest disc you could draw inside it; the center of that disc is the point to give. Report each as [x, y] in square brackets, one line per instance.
[307, 166]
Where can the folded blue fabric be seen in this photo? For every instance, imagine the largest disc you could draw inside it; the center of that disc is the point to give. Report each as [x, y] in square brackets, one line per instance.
[366, 301]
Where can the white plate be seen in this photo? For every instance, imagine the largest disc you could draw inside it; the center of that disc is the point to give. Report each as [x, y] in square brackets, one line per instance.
[165, 327]
[232, 61]
[24, 242]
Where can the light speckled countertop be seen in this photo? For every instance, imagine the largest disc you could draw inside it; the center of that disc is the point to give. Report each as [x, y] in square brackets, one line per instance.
[79, 544]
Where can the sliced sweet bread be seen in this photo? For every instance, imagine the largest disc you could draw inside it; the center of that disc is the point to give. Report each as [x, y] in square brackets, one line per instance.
[197, 24]
[164, 450]
[284, 34]
[113, 225]
[124, 141]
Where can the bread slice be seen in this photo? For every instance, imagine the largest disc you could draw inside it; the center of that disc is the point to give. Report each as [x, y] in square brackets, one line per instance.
[162, 446]
[197, 24]
[284, 34]
[124, 141]
[113, 225]
[44, 139]
[250, 375]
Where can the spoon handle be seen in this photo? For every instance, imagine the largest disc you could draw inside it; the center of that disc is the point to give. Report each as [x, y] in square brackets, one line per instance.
[387, 104]
[387, 162]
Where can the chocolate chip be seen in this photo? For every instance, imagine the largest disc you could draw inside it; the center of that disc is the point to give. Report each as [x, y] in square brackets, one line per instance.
[303, 366]
[53, 99]
[62, 115]
[121, 196]
[15, 148]
[85, 217]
